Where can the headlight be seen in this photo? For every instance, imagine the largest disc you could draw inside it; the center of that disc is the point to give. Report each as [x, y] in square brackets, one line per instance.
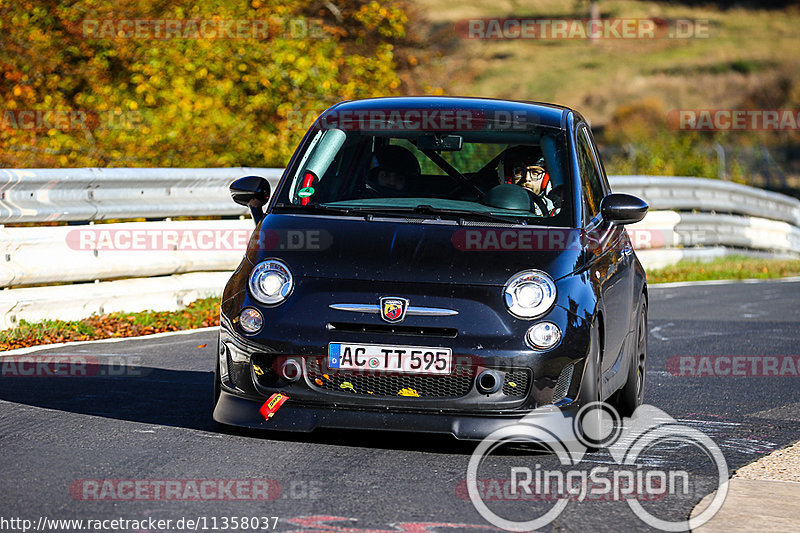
[271, 282]
[529, 294]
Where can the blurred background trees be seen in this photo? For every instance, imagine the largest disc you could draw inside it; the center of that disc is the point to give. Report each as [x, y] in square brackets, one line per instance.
[247, 101]
[185, 101]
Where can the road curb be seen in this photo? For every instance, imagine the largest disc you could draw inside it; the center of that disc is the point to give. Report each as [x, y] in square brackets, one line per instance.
[755, 505]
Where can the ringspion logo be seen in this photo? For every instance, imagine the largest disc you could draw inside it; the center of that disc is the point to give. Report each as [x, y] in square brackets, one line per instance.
[542, 485]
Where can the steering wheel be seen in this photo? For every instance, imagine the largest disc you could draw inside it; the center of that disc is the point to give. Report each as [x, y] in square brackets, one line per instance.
[539, 203]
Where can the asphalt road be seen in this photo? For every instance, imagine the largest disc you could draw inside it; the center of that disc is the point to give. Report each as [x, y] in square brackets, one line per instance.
[151, 420]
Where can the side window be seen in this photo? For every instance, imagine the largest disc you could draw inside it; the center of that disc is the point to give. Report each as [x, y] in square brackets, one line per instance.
[590, 175]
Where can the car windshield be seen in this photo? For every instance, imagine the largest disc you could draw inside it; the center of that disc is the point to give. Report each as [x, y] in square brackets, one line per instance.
[517, 176]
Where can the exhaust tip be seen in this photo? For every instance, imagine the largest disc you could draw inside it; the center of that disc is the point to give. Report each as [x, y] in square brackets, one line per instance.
[290, 370]
[488, 382]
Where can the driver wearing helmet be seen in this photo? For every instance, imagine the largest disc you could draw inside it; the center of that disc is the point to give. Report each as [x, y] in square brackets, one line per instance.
[517, 167]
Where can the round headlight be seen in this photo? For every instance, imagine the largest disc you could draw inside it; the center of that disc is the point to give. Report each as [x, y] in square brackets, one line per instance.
[529, 294]
[250, 320]
[543, 336]
[271, 282]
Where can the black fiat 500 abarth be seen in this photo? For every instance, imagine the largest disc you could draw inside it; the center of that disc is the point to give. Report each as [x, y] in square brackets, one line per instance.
[433, 264]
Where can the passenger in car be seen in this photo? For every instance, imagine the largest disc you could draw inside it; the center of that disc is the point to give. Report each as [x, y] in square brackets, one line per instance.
[394, 166]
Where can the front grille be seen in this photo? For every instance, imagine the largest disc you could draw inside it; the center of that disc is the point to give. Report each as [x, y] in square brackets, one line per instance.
[562, 385]
[516, 383]
[386, 329]
[455, 385]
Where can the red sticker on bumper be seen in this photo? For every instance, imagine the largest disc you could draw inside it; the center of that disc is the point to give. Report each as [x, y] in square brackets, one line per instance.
[272, 405]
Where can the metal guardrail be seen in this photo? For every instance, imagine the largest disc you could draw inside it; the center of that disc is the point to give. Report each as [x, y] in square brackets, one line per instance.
[73, 302]
[671, 229]
[689, 217]
[709, 195]
[86, 194]
[40, 255]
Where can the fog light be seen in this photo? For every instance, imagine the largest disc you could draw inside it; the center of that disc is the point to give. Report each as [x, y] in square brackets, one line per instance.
[250, 320]
[543, 336]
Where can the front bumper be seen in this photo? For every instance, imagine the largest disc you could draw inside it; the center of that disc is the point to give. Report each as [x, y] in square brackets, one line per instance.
[292, 417]
[467, 416]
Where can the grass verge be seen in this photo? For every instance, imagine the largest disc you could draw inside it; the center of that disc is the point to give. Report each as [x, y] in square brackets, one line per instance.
[205, 312]
[729, 267]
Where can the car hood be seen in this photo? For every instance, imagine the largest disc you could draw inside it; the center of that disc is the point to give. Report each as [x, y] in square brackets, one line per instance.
[400, 250]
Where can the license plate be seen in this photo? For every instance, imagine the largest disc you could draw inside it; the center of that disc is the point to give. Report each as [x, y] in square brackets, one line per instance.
[389, 358]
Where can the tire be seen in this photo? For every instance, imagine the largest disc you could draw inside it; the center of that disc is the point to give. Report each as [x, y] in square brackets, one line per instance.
[631, 395]
[591, 391]
[217, 385]
[591, 387]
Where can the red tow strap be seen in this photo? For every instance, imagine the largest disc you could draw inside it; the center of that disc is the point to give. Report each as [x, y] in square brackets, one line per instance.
[308, 181]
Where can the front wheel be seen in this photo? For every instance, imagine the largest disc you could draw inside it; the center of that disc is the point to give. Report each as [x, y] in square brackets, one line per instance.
[217, 384]
[631, 395]
[588, 427]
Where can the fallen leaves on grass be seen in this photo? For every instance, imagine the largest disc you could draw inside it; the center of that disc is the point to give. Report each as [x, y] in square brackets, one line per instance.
[198, 314]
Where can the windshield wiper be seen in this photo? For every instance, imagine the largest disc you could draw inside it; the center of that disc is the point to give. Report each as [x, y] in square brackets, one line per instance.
[425, 209]
[314, 208]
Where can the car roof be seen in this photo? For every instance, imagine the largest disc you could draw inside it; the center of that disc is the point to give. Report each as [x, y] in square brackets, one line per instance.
[531, 113]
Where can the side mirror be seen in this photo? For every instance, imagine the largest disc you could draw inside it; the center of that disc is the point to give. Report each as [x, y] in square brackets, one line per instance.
[623, 208]
[252, 192]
